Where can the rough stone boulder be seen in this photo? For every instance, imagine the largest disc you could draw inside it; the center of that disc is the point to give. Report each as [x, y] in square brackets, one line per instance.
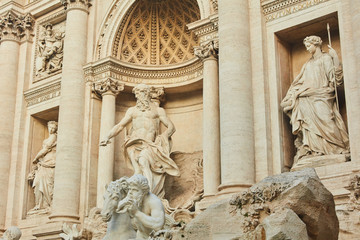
[291, 206]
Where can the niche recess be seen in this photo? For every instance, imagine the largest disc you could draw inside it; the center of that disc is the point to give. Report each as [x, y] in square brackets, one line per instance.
[291, 55]
[38, 133]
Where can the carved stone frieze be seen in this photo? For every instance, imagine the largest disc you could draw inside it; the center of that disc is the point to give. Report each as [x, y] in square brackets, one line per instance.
[130, 75]
[39, 95]
[209, 49]
[254, 201]
[14, 26]
[107, 86]
[76, 4]
[274, 9]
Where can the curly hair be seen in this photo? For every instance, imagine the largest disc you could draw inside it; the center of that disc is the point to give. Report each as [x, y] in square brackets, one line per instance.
[140, 181]
[313, 40]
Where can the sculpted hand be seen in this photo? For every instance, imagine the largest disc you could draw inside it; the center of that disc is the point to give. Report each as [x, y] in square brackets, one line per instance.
[332, 52]
[133, 208]
[103, 143]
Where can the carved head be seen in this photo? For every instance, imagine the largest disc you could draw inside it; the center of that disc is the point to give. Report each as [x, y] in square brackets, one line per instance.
[116, 191]
[52, 126]
[138, 187]
[142, 91]
[12, 233]
[48, 28]
[312, 42]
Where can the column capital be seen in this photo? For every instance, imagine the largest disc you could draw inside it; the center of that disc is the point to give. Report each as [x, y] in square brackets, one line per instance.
[76, 4]
[209, 49]
[157, 94]
[14, 27]
[107, 86]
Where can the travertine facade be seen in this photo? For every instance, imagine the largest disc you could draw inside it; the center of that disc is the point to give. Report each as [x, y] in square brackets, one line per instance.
[220, 70]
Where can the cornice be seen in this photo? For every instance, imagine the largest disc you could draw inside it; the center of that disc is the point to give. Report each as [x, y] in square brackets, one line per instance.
[274, 9]
[130, 76]
[42, 93]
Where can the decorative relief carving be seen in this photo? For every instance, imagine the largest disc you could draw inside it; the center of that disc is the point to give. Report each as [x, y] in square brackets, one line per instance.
[49, 50]
[274, 9]
[215, 5]
[108, 86]
[127, 74]
[14, 26]
[156, 33]
[80, 4]
[252, 202]
[36, 96]
[207, 31]
[209, 49]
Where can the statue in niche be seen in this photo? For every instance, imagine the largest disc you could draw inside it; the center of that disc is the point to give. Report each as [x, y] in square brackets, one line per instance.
[50, 49]
[42, 175]
[147, 151]
[12, 233]
[312, 106]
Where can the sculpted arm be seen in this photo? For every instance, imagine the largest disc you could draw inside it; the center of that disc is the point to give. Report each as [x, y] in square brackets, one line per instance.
[167, 122]
[45, 149]
[118, 127]
[156, 220]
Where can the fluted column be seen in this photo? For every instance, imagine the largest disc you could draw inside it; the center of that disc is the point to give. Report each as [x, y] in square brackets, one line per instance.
[71, 115]
[211, 118]
[236, 108]
[108, 89]
[12, 29]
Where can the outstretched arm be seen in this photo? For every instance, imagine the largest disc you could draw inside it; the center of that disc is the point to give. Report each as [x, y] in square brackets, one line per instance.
[167, 122]
[118, 127]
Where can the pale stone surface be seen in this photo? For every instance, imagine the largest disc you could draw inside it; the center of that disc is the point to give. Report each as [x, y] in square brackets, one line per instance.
[284, 225]
[12, 233]
[311, 104]
[299, 196]
[42, 175]
[147, 150]
[131, 207]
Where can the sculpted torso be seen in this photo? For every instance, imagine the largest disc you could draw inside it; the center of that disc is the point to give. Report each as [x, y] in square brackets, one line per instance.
[145, 124]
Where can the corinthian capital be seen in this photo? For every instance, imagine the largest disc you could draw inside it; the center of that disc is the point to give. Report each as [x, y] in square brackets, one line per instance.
[209, 49]
[14, 26]
[76, 4]
[107, 86]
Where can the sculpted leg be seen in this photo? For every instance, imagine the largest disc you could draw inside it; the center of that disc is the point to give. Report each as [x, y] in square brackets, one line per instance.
[131, 151]
[146, 168]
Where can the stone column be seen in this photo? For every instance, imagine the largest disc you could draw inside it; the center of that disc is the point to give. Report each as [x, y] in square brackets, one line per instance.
[236, 107]
[108, 89]
[12, 29]
[211, 118]
[71, 115]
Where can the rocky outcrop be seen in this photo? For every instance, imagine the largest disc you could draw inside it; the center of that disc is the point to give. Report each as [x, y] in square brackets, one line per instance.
[289, 206]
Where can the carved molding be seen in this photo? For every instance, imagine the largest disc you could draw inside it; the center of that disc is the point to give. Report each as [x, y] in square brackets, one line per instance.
[206, 29]
[274, 9]
[76, 4]
[39, 95]
[130, 75]
[209, 49]
[107, 86]
[14, 26]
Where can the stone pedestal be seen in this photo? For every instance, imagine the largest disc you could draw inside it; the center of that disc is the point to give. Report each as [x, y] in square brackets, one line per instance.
[71, 115]
[236, 107]
[108, 89]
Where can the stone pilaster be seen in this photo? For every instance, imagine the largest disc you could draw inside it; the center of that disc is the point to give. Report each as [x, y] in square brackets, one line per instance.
[12, 30]
[236, 105]
[108, 89]
[208, 52]
[71, 115]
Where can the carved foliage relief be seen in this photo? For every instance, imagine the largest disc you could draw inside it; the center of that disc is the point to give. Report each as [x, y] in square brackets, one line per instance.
[156, 33]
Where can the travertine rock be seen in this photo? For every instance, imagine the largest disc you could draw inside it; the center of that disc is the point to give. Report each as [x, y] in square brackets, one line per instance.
[12, 233]
[284, 225]
[298, 197]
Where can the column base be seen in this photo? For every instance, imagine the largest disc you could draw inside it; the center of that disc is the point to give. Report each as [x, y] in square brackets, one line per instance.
[64, 218]
[231, 188]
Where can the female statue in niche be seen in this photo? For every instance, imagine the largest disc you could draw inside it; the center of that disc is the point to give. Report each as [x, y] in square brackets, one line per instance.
[312, 106]
[42, 175]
